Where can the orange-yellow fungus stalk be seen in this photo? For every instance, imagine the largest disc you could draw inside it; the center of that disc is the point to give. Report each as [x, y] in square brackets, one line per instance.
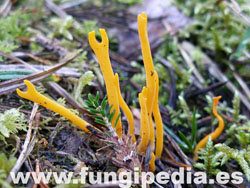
[152, 131]
[33, 95]
[125, 108]
[144, 130]
[158, 121]
[101, 50]
[149, 69]
[152, 85]
[214, 134]
[147, 59]
[152, 162]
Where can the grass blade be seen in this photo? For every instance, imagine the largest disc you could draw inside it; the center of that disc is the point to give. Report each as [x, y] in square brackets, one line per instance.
[194, 129]
[184, 138]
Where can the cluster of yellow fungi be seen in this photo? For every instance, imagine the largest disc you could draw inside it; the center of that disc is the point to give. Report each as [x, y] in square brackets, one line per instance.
[148, 98]
[214, 134]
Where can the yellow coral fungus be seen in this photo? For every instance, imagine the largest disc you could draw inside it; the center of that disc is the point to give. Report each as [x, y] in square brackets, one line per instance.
[112, 81]
[158, 121]
[214, 134]
[101, 50]
[151, 98]
[148, 98]
[125, 108]
[152, 85]
[149, 68]
[144, 130]
[147, 59]
[33, 95]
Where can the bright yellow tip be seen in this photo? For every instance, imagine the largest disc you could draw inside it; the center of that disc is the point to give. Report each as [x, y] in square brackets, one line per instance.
[142, 17]
[92, 39]
[96, 44]
[214, 134]
[215, 104]
[216, 99]
[104, 36]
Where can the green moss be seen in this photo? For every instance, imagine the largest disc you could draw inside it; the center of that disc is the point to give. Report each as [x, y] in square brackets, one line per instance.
[10, 122]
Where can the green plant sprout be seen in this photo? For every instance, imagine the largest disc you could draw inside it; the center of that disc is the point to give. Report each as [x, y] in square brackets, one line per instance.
[62, 27]
[11, 121]
[12, 27]
[211, 159]
[84, 80]
[190, 143]
[100, 112]
[241, 156]
[5, 167]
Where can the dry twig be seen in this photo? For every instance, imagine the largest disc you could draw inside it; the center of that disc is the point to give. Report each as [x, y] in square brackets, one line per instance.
[28, 144]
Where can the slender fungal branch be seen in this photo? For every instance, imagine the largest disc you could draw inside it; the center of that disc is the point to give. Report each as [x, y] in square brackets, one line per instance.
[158, 121]
[147, 59]
[153, 87]
[214, 134]
[145, 129]
[125, 108]
[33, 95]
[149, 69]
[148, 98]
[101, 50]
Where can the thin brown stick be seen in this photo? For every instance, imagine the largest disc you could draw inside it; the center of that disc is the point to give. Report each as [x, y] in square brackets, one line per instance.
[27, 146]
